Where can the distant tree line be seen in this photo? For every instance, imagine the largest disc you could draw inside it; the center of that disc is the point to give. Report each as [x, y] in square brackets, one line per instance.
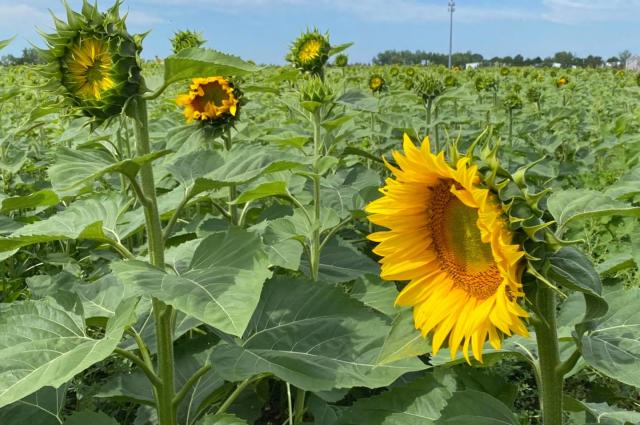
[566, 59]
[29, 56]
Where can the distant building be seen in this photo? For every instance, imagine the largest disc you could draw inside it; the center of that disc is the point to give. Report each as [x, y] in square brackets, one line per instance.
[633, 63]
[472, 65]
[556, 65]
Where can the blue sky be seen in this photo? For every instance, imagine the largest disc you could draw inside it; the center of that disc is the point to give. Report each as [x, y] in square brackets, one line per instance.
[261, 30]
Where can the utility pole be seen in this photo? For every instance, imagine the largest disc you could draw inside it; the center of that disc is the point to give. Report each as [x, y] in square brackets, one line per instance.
[452, 8]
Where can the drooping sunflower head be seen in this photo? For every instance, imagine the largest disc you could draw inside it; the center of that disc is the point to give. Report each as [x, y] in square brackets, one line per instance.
[186, 39]
[377, 83]
[214, 101]
[512, 101]
[450, 80]
[446, 235]
[429, 86]
[394, 71]
[534, 94]
[411, 72]
[342, 60]
[310, 52]
[93, 61]
[504, 71]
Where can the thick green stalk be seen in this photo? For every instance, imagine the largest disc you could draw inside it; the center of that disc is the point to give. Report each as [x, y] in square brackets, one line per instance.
[163, 314]
[428, 107]
[315, 239]
[510, 127]
[550, 377]
[233, 208]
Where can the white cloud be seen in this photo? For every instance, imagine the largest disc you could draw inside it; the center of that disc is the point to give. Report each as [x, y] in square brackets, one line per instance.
[136, 18]
[21, 19]
[584, 11]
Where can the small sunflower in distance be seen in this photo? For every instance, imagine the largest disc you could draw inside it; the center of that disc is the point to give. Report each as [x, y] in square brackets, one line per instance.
[186, 39]
[342, 60]
[211, 100]
[310, 52]
[377, 83]
[447, 236]
[561, 82]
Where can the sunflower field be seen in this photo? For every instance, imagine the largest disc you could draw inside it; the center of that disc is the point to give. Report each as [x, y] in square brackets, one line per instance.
[201, 240]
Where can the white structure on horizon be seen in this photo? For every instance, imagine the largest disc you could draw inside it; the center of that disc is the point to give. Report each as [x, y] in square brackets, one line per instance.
[472, 65]
[633, 63]
[556, 65]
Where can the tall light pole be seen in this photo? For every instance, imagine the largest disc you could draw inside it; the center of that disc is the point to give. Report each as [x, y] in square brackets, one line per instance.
[452, 8]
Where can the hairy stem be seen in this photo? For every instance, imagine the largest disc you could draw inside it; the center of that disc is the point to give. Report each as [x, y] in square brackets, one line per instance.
[233, 208]
[163, 313]
[315, 238]
[550, 378]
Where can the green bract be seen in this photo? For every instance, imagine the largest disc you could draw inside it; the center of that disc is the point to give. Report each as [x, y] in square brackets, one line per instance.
[117, 68]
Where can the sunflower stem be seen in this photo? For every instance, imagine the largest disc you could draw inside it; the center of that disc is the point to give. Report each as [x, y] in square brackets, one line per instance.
[163, 314]
[233, 208]
[510, 127]
[550, 374]
[315, 238]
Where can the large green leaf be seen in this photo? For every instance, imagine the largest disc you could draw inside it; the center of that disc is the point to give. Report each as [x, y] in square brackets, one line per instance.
[44, 343]
[572, 269]
[42, 198]
[628, 186]
[199, 171]
[359, 100]
[315, 337]
[94, 218]
[73, 168]
[476, 408]
[376, 293]
[44, 407]
[341, 262]
[222, 286]
[198, 62]
[404, 341]
[613, 347]
[93, 418]
[578, 204]
[99, 299]
[418, 403]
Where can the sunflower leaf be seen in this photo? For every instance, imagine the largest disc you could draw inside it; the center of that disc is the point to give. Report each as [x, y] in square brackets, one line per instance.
[44, 343]
[572, 269]
[221, 287]
[613, 347]
[73, 168]
[568, 206]
[196, 62]
[315, 337]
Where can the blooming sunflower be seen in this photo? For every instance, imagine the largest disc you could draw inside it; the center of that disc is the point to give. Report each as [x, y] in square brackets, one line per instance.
[310, 52]
[448, 238]
[93, 62]
[89, 67]
[562, 81]
[210, 99]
